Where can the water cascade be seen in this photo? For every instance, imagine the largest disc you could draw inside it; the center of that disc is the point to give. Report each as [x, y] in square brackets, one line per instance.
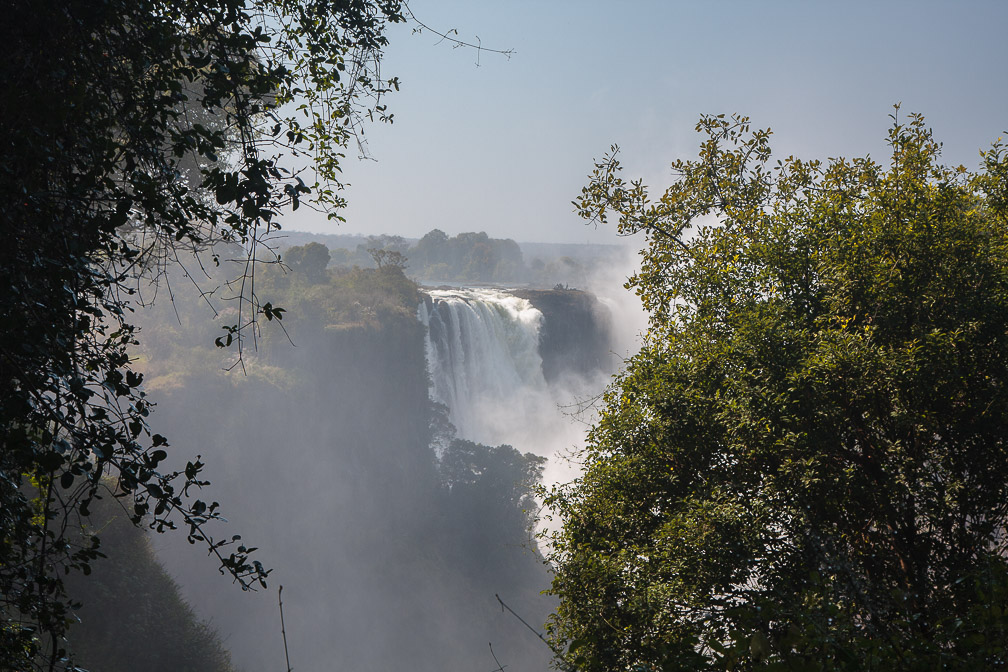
[483, 355]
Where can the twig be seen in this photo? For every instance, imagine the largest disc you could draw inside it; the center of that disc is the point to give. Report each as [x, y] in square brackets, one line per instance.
[455, 41]
[283, 631]
[525, 623]
[500, 668]
[561, 662]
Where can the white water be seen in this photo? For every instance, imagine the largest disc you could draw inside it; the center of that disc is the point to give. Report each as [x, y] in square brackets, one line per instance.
[483, 357]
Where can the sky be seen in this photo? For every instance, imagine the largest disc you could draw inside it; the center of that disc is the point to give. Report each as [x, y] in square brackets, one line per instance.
[484, 142]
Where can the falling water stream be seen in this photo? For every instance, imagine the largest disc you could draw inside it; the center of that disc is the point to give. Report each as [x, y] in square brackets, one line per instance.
[483, 356]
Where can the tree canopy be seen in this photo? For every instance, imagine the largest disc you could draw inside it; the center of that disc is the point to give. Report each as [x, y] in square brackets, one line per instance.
[311, 260]
[135, 131]
[805, 467]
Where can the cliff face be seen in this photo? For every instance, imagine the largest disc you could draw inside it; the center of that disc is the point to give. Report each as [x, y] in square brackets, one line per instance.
[576, 333]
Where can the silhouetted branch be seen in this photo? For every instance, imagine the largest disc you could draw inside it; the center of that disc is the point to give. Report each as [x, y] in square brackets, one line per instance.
[525, 623]
[455, 41]
[561, 662]
[283, 631]
[500, 668]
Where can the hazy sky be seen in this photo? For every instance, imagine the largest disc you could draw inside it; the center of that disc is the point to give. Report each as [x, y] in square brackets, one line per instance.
[504, 147]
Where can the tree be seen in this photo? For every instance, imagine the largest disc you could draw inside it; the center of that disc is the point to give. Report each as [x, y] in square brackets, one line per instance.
[388, 258]
[806, 466]
[492, 478]
[432, 248]
[311, 259]
[135, 131]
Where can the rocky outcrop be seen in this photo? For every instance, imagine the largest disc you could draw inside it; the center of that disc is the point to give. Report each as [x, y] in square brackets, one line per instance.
[576, 334]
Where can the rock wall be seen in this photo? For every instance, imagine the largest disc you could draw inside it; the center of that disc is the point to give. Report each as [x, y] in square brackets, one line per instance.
[576, 335]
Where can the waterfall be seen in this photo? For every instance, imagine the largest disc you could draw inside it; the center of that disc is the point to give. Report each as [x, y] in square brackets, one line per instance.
[483, 356]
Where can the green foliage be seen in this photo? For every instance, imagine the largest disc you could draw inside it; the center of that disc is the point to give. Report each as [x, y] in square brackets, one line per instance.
[467, 257]
[474, 257]
[388, 258]
[357, 296]
[310, 260]
[131, 615]
[805, 467]
[136, 131]
[491, 477]
[180, 335]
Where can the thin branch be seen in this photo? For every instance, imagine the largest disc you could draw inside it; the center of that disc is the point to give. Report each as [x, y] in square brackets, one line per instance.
[456, 42]
[500, 668]
[561, 662]
[284, 631]
[525, 623]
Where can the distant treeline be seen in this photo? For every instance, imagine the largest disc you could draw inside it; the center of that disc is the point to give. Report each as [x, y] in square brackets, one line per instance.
[471, 257]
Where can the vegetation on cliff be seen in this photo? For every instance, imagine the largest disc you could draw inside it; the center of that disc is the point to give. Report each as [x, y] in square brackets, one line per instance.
[132, 615]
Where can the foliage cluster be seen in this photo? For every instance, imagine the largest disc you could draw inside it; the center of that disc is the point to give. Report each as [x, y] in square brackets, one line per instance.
[805, 467]
[178, 335]
[311, 260]
[471, 257]
[479, 476]
[344, 296]
[132, 615]
[135, 130]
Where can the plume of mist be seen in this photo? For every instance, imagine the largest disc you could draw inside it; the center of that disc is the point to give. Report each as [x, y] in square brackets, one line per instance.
[574, 400]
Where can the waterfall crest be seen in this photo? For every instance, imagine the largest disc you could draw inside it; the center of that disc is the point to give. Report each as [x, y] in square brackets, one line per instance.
[483, 356]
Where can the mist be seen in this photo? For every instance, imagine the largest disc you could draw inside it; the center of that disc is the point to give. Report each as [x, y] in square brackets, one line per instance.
[392, 512]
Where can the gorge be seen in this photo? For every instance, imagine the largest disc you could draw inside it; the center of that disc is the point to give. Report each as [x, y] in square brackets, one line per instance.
[390, 529]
